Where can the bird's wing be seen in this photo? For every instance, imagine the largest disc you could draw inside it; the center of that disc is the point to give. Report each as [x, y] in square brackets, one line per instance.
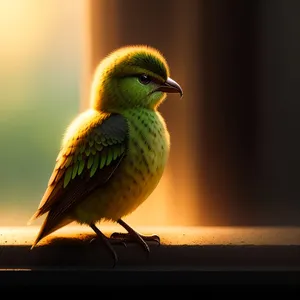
[85, 162]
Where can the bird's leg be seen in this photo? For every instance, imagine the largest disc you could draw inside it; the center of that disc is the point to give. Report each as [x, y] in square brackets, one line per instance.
[106, 242]
[133, 236]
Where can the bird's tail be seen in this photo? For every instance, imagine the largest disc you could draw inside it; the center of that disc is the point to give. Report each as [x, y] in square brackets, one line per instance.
[49, 226]
[35, 216]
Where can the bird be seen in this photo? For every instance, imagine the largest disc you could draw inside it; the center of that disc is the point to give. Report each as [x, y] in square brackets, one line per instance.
[113, 154]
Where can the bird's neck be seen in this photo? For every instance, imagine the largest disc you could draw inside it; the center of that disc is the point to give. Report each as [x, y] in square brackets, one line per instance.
[125, 111]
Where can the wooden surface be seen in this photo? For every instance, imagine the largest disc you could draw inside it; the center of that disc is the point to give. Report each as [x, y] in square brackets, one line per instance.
[187, 255]
[181, 247]
[172, 235]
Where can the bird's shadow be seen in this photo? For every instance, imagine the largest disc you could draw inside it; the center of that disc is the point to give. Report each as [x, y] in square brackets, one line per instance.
[78, 251]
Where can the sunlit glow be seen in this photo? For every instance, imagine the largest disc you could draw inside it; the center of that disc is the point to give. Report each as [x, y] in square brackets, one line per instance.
[27, 26]
[40, 58]
[169, 235]
[21, 31]
[28, 32]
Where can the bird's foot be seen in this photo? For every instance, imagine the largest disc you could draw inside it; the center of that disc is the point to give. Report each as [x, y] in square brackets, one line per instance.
[105, 241]
[133, 236]
[127, 238]
[124, 238]
[112, 241]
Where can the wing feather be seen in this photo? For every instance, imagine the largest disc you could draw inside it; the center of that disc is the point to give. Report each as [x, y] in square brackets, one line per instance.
[84, 163]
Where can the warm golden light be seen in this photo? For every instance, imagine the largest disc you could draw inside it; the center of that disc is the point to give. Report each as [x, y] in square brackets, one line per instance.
[41, 61]
[43, 44]
[27, 26]
[21, 31]
[170, 235]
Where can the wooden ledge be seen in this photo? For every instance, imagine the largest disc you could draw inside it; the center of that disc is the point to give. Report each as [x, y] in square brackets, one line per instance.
[183, 250]
[191, 247]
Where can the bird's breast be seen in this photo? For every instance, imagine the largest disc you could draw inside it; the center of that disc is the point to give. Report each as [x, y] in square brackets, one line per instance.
[148, 146]
[139, 173]
[147, 155]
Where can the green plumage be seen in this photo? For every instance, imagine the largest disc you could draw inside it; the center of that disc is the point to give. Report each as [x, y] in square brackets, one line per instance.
[113, 155]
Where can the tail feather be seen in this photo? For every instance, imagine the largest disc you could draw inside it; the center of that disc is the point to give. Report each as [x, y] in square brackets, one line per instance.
[49, 226]
[35, 216]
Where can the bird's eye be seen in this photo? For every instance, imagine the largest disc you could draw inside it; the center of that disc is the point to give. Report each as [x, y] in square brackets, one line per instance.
[144, 79]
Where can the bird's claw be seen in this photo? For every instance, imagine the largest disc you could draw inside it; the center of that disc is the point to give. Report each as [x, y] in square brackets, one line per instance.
[96, 240]
[128, 238]
[111, 241]
[93, 241]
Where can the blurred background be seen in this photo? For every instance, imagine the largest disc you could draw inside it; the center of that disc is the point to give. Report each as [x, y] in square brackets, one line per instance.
[235, 148]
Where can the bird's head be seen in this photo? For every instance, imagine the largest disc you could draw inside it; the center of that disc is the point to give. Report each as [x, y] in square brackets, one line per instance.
[133, 76]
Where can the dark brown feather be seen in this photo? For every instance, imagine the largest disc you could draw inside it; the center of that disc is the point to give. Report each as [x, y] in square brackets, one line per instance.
[59, 199]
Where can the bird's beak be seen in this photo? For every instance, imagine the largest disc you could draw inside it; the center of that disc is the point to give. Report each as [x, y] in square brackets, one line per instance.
[170, 86]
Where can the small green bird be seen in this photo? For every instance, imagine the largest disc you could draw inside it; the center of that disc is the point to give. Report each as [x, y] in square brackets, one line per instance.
[112, 155]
